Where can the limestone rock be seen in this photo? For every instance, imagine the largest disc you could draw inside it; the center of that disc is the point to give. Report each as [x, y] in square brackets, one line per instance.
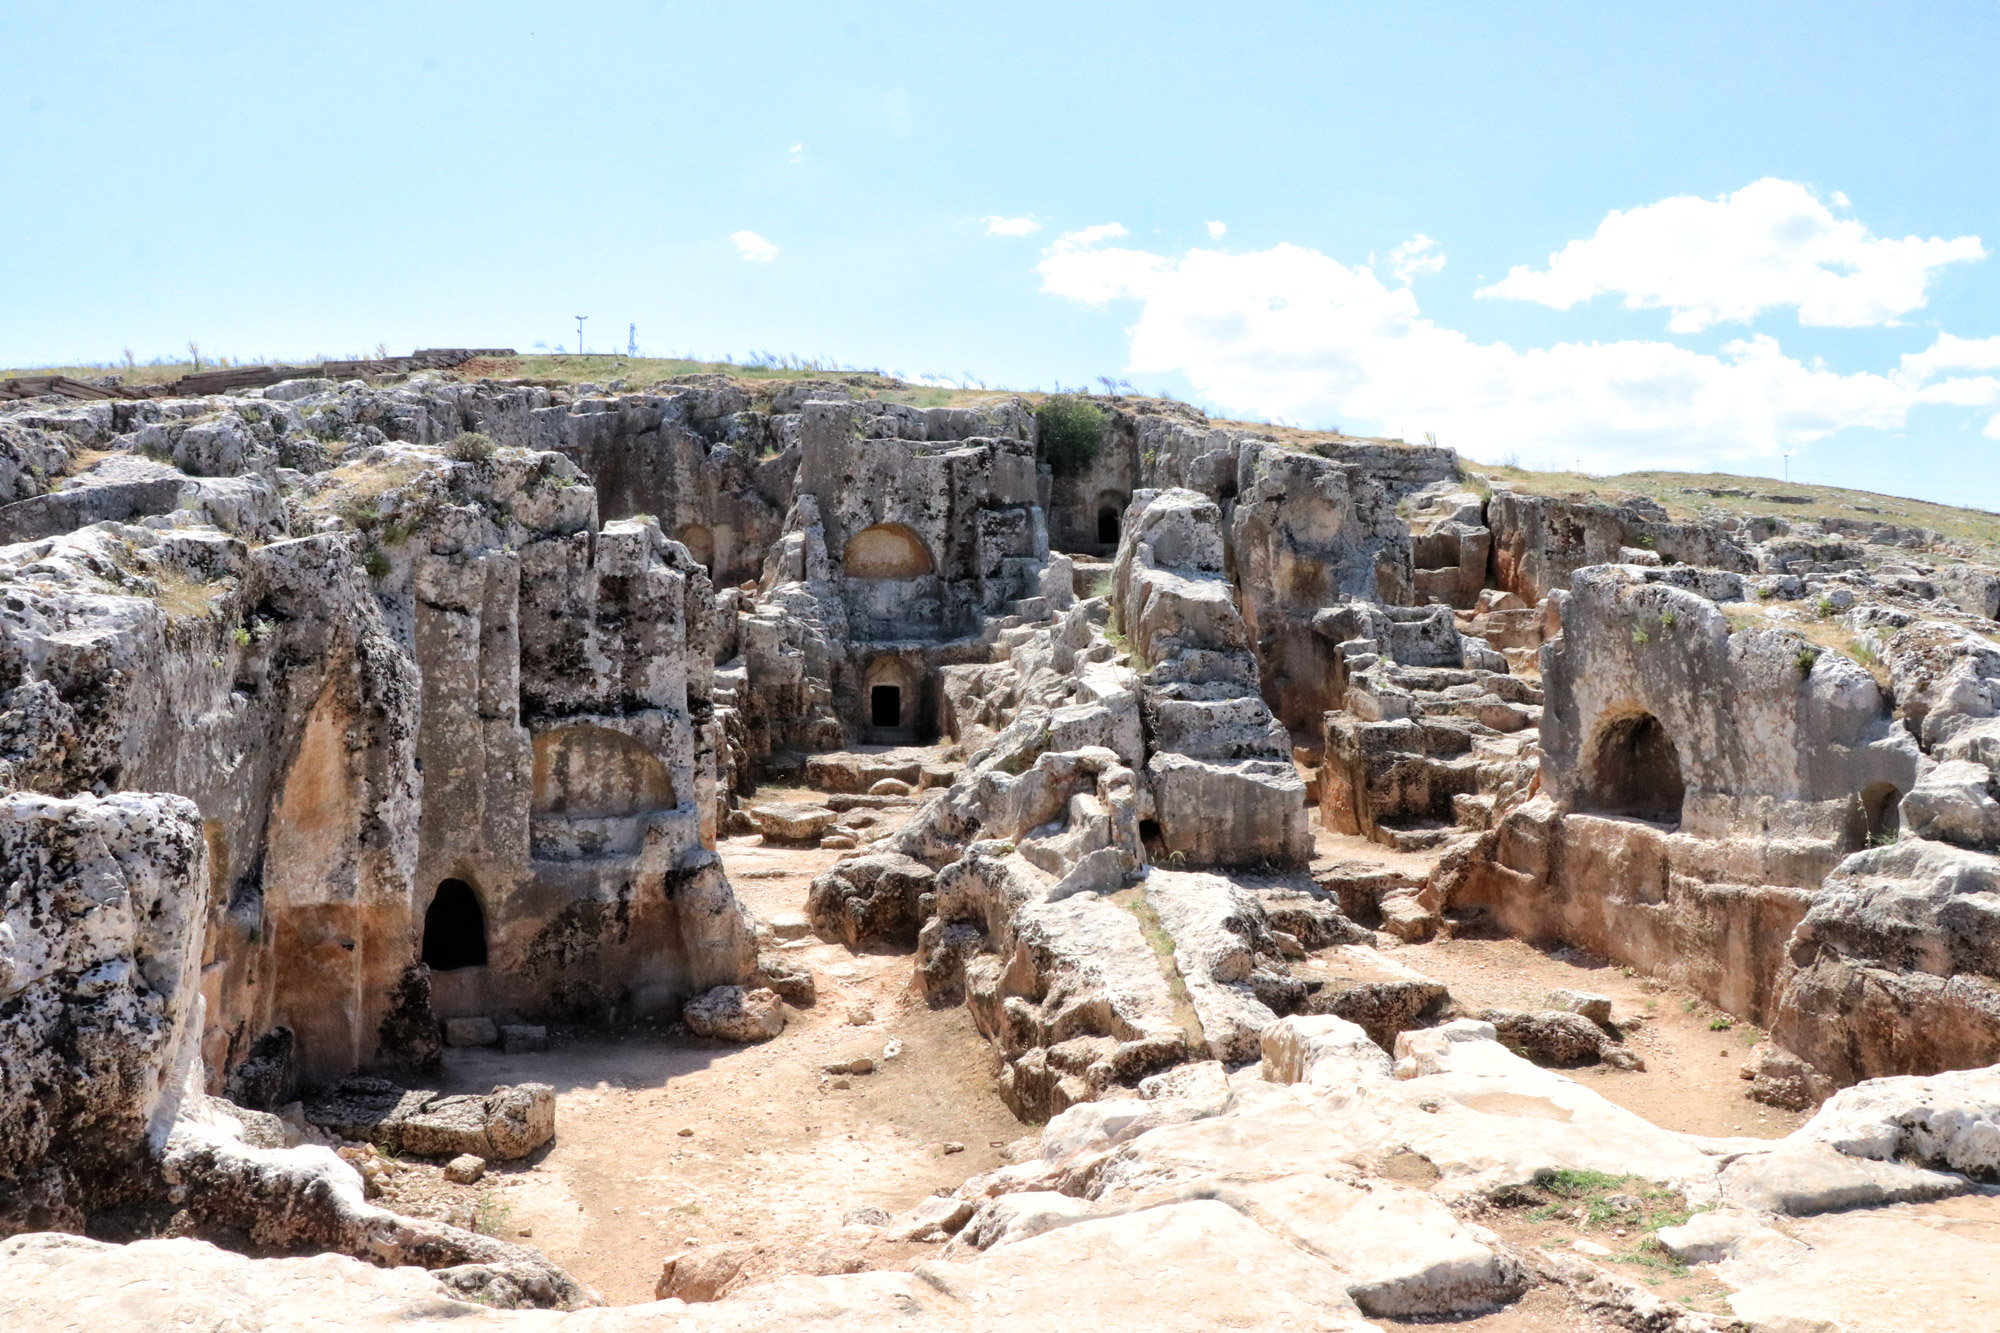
[508, 1123]
[1953, 802]
[870, 899]
[704, 1273]
[465, 1169]
[476, 1031]
[1779, 1078]
[934, 1219]
[1323, 1051]
[792, 823]
[1725, 1233]
[792, 982]
[1807, 1178]
[1947, 1121]
[1893, 969]
[1551, 1037]
[522, 1038]
[101, 912]
[734, 1014]
[1595, 1007]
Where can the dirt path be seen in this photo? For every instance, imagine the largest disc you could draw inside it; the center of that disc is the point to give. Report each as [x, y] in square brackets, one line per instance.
[1690, 1082]
[666, 1141]
[663, 1140]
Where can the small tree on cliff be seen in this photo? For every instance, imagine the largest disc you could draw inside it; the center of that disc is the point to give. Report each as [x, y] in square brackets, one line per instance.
[1070, 428]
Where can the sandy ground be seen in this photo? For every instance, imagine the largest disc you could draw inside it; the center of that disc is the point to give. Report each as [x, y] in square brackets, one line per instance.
[1690, 1082]
[666, 1140]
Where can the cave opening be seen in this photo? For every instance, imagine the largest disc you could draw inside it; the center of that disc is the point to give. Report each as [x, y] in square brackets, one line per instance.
[454, 928]
[885, 705]
[1637, 770]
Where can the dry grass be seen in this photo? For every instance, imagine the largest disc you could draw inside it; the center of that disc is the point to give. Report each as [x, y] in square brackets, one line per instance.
[1688, 495]
[183, 597]
[1800, 619]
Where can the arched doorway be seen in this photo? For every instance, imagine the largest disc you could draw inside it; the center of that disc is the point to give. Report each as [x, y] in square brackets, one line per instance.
[1882, 806]
[1635, 770]
[885, 551]
[885, 705]
[890, 692]
[1110, 517]
[454, 928]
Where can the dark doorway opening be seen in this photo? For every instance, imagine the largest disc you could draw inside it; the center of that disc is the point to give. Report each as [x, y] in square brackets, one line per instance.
[1637, 771]
[1107, 526]
[885, 706]
[1883, 806]
[454, 928]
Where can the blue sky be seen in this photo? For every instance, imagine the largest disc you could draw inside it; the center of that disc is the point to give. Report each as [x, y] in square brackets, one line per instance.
[1803, 257]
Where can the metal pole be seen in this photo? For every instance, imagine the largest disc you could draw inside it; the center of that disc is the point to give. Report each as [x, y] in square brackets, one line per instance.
[579, 333]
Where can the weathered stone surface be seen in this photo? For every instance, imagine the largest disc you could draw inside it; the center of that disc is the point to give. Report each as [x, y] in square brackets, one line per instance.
[1550, 1037]
[734, 1014]
[508, 1123]
[1321, 1050]
[101, 906]
[1779, 1078]
[465, 1169]
[1726, 1233]
[477, 1031]
[305, 1199]
[1947, 1121]
[1816, 1178]
[792, 823]
[1224, 789]
[1896, 968]
[870, 899]
[1595, 1007]
[1640, 659]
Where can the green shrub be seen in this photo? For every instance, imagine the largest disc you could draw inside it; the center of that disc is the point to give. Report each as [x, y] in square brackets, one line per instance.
[470, 446]
[375, 563]
[1070, 430]
[1805, 660]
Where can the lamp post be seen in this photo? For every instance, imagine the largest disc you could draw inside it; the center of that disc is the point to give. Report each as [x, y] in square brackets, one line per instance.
[579, 333]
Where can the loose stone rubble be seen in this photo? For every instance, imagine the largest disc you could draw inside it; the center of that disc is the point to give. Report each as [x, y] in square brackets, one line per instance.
[341, 724]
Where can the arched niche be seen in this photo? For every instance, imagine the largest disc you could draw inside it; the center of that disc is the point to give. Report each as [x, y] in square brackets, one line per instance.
[700, 542]
[587, 772]
[1110, 517]
[454, 928]
[1882, 807]
[886, 551]
[1635, 769]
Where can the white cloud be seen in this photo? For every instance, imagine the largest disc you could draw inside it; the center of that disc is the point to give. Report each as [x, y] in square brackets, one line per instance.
[1103, 231]
[752, 246]
[798, 152]
[1216, 229]
[1415, 258]
[1726, 260]
[1021, 226]
[1289, 332]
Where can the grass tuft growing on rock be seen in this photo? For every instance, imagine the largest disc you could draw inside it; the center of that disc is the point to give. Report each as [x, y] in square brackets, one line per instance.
[1155, 934]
